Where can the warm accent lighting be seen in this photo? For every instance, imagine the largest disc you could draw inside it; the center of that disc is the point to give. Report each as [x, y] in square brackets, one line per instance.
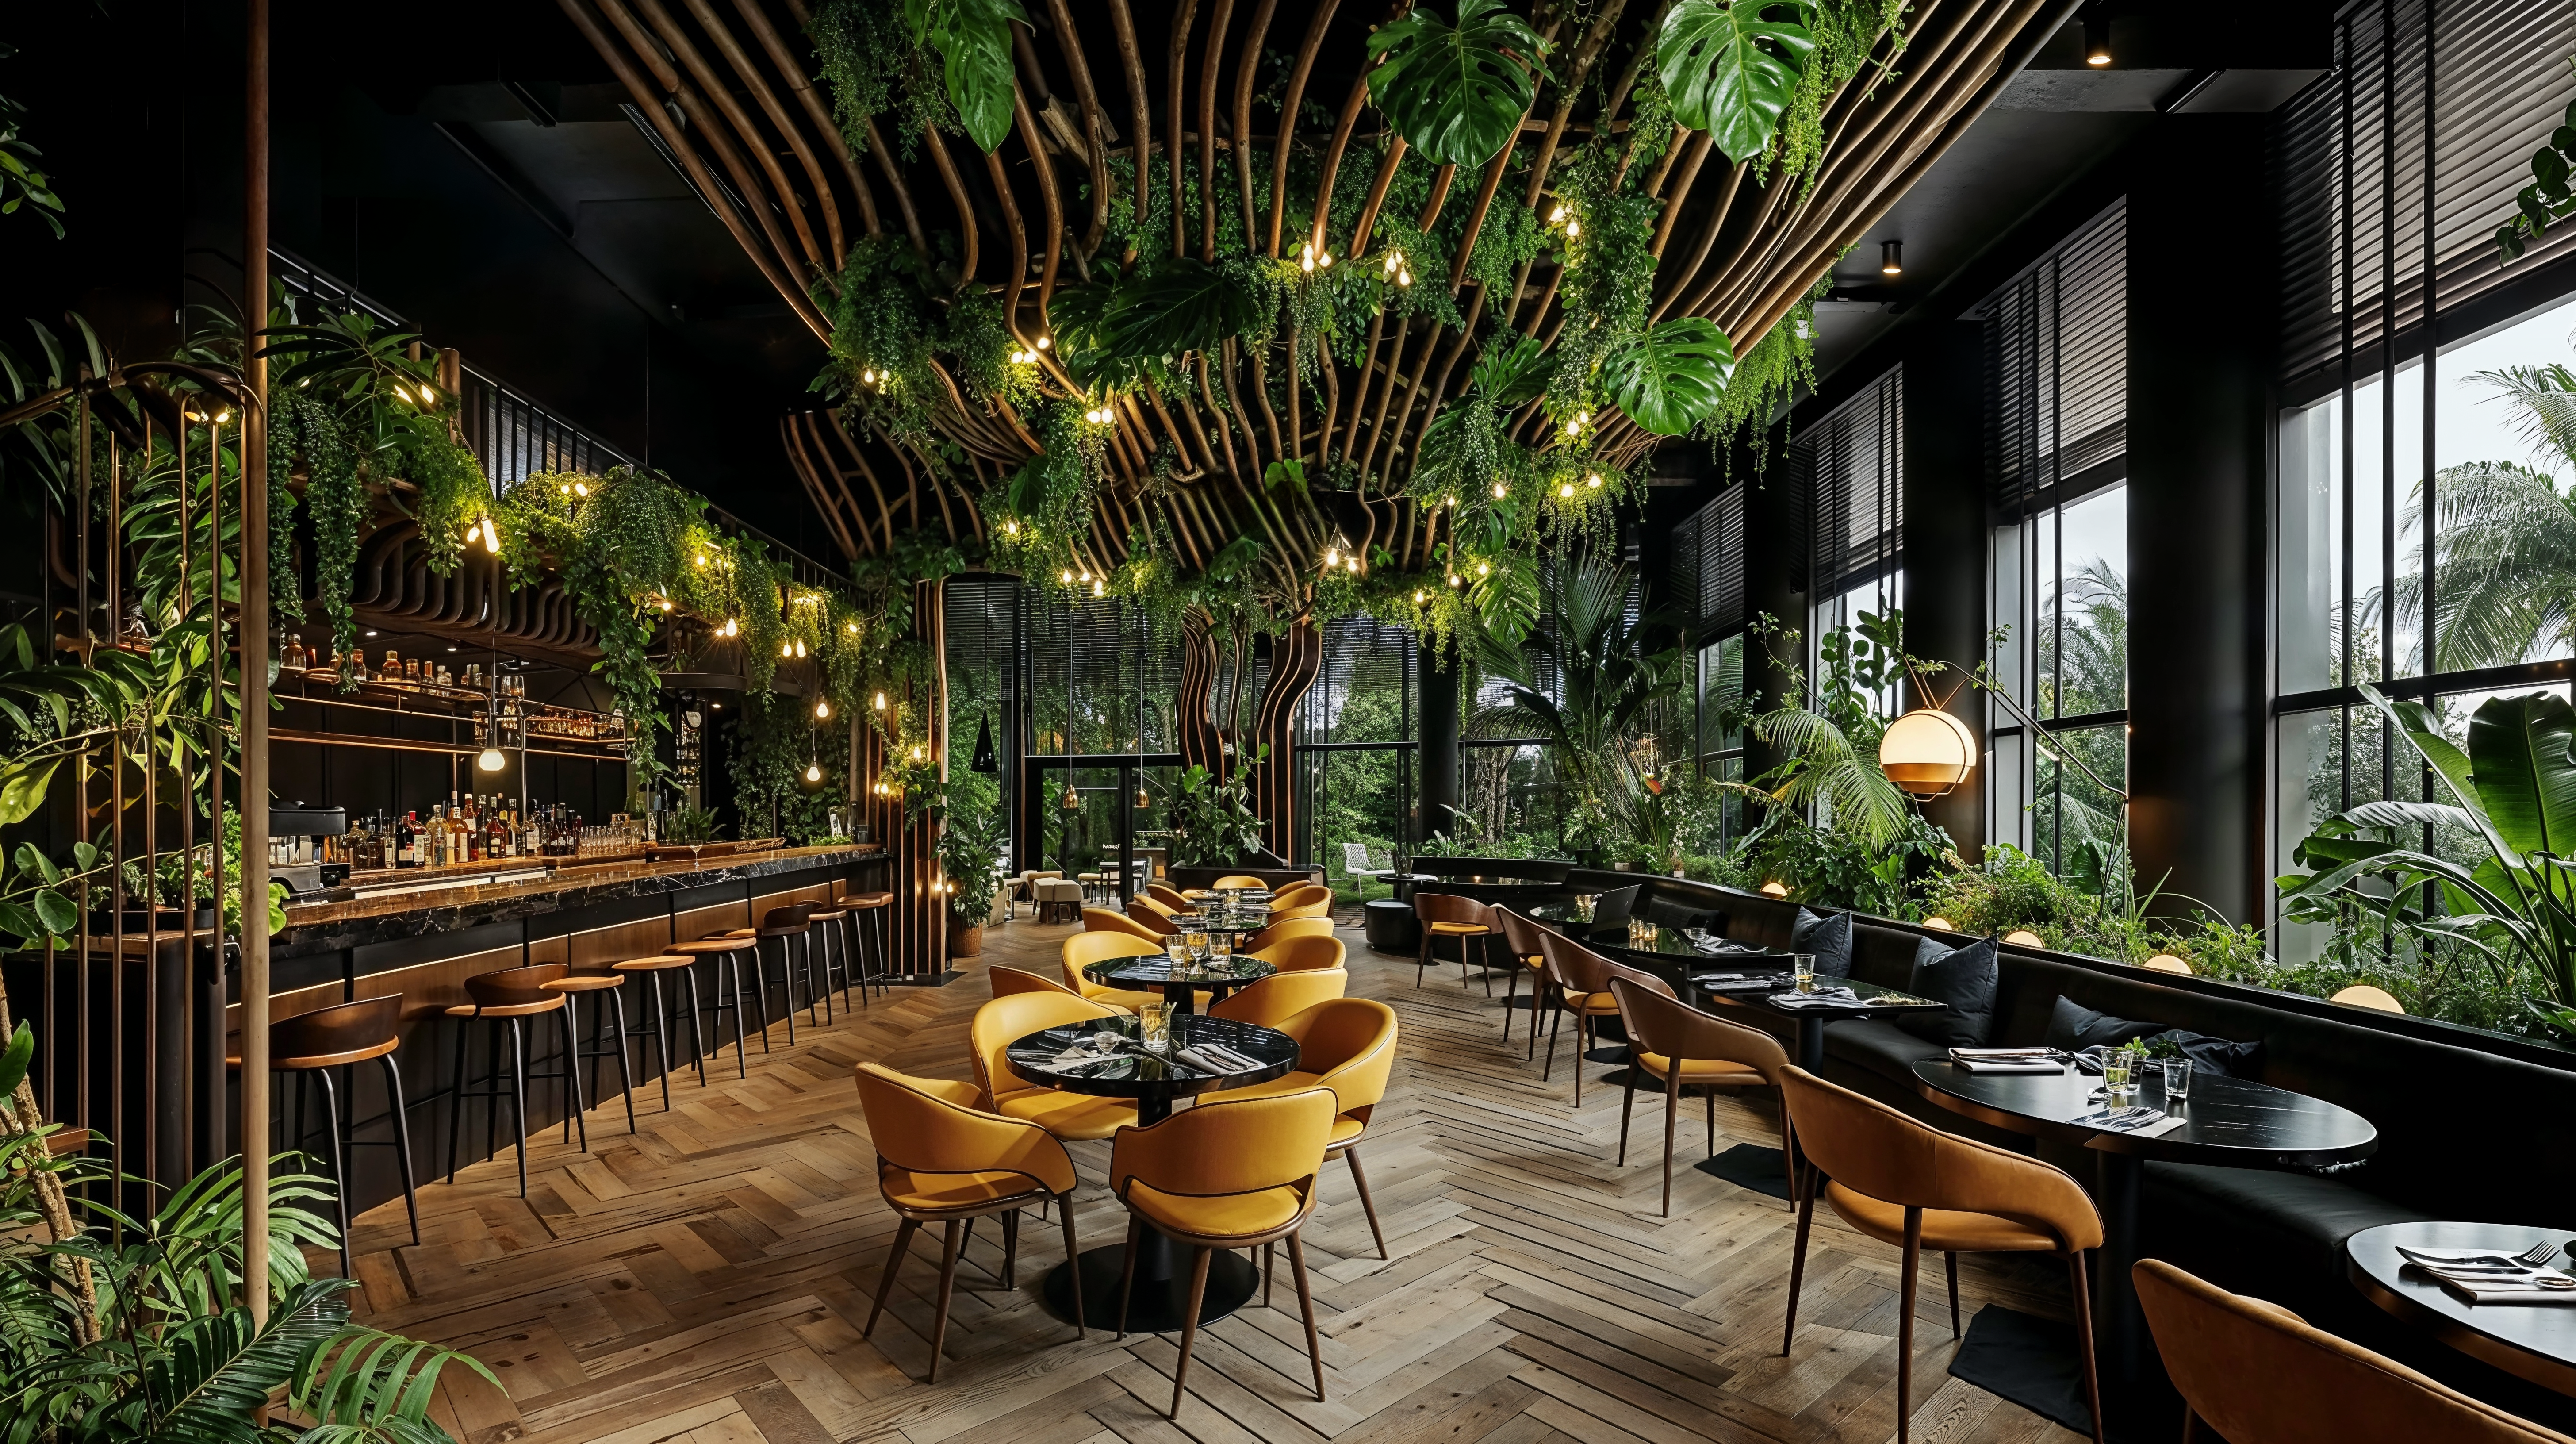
[1484, 569]
[880, 701]
[1891, 258]
[1774, 889]
[491, 760]
[2168, 963]
[1332, 556]
[1565, 489]
[800, 647]
[1420, 596]
[1098, 587]
[1065, 576]
[822, 710]
[813, 772]
[1501, 491]
[1045, 341]
[786, 650]
[1010, 528]
[1593, 481]
[1555, 215]
[2025, 938]
[2097, 40]
[491, 537]
[1939, 924]
[1926, 752]
[702, 559]
[581, 488]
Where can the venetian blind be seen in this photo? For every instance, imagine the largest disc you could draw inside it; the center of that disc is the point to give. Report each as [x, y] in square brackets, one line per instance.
[1360, 655]
[1856, 465]
[1707, 579]
[2443, 101]
[2057, 370]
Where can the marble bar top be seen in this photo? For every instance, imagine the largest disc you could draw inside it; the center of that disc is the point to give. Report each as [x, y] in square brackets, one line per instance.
[323, 927]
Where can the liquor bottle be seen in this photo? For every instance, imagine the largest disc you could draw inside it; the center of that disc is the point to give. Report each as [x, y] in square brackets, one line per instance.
[406, 849]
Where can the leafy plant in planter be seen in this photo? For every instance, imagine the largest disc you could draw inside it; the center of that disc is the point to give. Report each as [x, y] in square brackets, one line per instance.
[1212, 821]
[973, 836]
[691, 827]
[2514, 790]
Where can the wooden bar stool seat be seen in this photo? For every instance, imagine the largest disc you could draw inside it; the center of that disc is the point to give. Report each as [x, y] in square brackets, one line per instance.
[310, 1045]
[507, 996]
[874, 905]
[660, 1028]
[727, 951]
[573, 988]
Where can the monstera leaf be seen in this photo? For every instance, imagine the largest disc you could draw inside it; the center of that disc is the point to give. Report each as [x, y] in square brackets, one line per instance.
[1730, 71]
[973, 38]
[1180, 305]
[1513, 374]
[1456, 93]
[1674, 376]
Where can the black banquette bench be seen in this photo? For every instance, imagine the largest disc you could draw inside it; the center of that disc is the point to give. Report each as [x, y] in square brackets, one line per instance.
[2472, 1125]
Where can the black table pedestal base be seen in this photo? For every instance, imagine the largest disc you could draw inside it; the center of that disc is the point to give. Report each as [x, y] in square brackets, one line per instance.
[2033, 1362]
[1159, 1304]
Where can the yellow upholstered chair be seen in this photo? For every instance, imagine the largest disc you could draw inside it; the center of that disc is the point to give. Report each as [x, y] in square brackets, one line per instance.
[1152, 913]
[1578, 982]
[1006, 1020]
[1284, 929]
[1321, 907]
[1238, 879]
[1228, 1174]
[1521, 935]
[1347, 1045]
[1083, 949]
[1282, 996]
[1007, 981]
[1301, 895]
[1459, 919]
[1903, 1182]
[2259, 1374]
[1169, 896]
[940, 1160]
[1682, 1047]
[1103, 920]
[1302, 953]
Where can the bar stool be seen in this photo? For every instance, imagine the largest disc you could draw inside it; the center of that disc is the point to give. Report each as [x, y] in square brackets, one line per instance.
[310, 1045]
[874, 904]
[506, 997]
[572, 988]
[783, 925]
[727, 953]
[831, 927]
[660, 1029]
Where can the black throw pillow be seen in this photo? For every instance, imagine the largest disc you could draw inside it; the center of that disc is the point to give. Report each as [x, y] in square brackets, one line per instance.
[2213, 1055]
[1828, 937]
[2072, 1026]
[1964, 978]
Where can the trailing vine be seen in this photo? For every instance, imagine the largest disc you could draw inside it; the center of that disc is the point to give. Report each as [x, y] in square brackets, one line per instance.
[335, 493]
[873, 65]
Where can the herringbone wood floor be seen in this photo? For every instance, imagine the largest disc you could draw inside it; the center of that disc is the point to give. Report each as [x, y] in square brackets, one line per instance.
[704, 1280]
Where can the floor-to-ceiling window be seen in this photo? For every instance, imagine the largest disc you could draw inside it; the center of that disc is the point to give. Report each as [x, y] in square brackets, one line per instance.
[2422, 526]
[2057, 452]
[1097, 695]
[1356, 750]
[1707, 592]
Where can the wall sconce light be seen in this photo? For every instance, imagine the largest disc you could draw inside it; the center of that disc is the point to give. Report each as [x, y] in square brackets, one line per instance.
[1891, 258]
[2097, 41]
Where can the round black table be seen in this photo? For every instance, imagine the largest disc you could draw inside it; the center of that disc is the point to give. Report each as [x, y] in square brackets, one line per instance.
[2534, 1341]
[1162, 1291]
[1390, 927]
[1178, 982]
[2229, 1122]
[1237, 923]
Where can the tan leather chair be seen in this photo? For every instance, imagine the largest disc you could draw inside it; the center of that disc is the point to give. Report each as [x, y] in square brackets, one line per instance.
[1460, 919]
[1084, 949]
[1239, 879]
[1347, 1045]
[1302, 954]
[1578, 983]
[1282, 996]
[1007, 981]
[1229, 1174]
[1004, 1021]
[1284, 929]
[1152, 914]
[1521, 935]
[1321, 907]
[2258, 1374]
[1102, 920]
[1302, 895]
[940, 1160]
[1682, 1047]
[1904, 1182]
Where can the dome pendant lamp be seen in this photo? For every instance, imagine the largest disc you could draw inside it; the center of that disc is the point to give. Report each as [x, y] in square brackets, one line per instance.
[1927, 752]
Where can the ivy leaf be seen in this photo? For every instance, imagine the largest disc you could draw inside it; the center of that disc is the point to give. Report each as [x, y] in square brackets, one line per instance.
[1674, 376]
[22, 789]
[1456, 93]
[1180, 305]
[1730, 72]
[973, 38]
[55, 911]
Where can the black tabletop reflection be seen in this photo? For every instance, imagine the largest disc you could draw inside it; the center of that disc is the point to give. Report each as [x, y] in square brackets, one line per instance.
[2536, 1341]
[1212, 920]
[2232, 1122]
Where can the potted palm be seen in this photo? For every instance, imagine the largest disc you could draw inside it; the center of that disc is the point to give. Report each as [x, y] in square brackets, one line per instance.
[973, 835]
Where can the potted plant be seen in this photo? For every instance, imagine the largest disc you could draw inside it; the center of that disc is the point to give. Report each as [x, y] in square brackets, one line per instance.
[971, 842]
[1213, 823]
[690, 832]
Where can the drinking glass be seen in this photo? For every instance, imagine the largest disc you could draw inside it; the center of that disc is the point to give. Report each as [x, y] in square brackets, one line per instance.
[1221, 950]
[1176, 952]
[2118, 1075]
[1802, 968]
[2177, 1079]
[1197, 943]
[1155, 1020]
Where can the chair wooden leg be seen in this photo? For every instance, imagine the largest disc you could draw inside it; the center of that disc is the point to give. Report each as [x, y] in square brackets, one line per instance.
[1368, 1205]
[1708, 1101]
[1950, 1263]
[1627, 1109]
[2190, 1426]
[1306, 1306]
[1582, 1050]
[1422, 960]
[894, 1261]
[1672, 1110]
[2092, 1370]
[1200, 1258]
[1905, 1325]
[1798, 1266]
[1010, 1246]
[1511, 994]
[1269, 1267]
[948, 1250]
[1789, 1155]
[1555, 1020]
[1127, 1275]
[1484, 960]
[1072, 1249]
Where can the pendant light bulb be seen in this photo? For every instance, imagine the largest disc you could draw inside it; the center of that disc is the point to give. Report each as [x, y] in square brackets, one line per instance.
[822, 711]
[813, 772]
[491, 760]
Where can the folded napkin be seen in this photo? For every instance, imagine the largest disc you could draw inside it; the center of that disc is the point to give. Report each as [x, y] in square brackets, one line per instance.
[2048, 1067]
[2024, 1053]
[1216, 1058]
[2144, 1122]
[1091, 1048]
[1820, 998]
[2523, 1287]
[2438, 1257]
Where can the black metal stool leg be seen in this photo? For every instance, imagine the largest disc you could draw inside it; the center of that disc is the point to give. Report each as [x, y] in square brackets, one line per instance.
[617, 1009]
[572, 1075]
[518, 1098]
[402, 1141]
[741, 1054]
[662, 1039]
[697, 1025]
[760, 992]
[456, 1095]
[339, 1159]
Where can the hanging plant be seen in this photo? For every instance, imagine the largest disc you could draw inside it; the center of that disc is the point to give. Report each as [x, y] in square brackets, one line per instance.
[1673, 377]
[882, 321]
[1456, 93]
[1731, 71]
[335, 494]
[973, 38]
[872, 65]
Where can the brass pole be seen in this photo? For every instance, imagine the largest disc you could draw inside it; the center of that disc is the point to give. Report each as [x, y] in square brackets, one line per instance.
[254, 673]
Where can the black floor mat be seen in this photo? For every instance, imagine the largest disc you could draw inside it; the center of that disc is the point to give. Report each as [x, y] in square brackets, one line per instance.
[1749, 1165]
